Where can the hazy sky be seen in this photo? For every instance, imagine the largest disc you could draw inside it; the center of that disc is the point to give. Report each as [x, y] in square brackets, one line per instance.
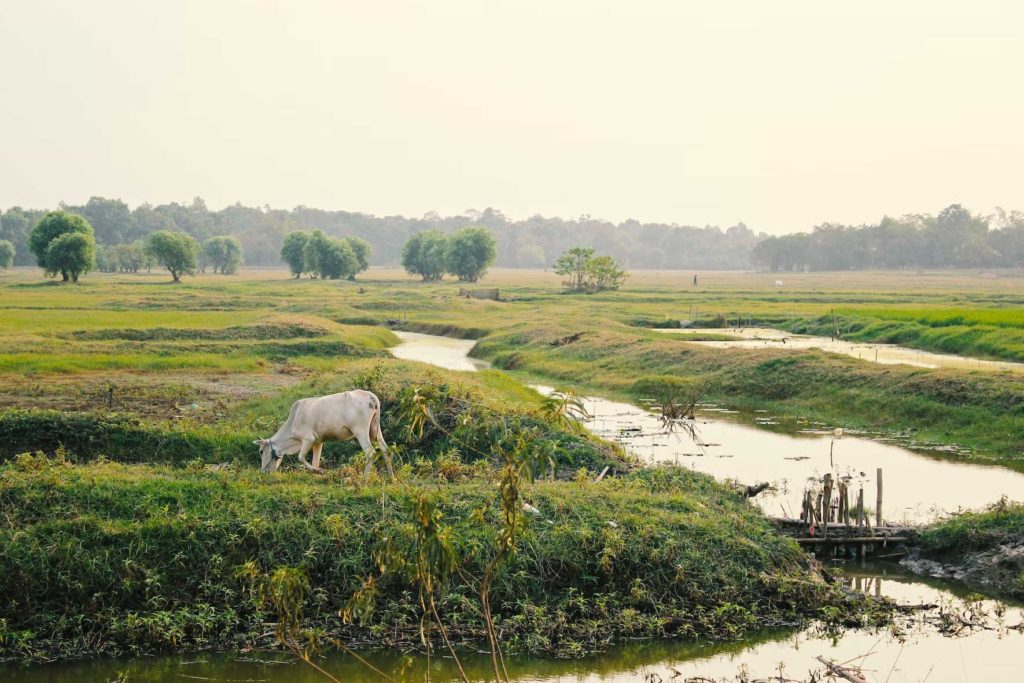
[780, 114]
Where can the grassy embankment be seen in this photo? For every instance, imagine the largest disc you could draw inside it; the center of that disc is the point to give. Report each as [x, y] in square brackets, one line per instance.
[103, 558]
[984, 547]
[982, 411]
[125, 541]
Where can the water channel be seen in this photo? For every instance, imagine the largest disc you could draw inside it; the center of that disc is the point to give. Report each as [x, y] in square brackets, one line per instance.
[885, 354]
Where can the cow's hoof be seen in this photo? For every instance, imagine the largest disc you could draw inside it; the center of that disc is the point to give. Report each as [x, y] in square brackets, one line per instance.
[318, 470]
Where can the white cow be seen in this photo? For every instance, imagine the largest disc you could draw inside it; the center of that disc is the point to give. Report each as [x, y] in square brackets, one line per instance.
[338, 417]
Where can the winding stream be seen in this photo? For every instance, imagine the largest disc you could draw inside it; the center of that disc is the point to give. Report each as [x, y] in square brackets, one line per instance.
[884, 354]
[919, 486]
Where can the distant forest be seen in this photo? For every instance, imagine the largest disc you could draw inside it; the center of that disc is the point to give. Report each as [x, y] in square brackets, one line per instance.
[953, 238]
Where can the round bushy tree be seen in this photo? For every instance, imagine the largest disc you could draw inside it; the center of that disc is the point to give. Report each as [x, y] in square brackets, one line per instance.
[362, 250]
[178, 252]
[425, 254]
[337, 259]
[6, 254]
[315, 246]
[470, 252]
[293, 252]
[72, 254]
[52, 226]
[224, 254]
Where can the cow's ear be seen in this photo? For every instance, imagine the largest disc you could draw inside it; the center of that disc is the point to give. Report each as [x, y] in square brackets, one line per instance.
[260, 442]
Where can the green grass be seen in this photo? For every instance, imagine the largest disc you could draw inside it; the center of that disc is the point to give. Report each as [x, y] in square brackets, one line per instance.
[1001, 522]
[108, 558]
[983, 411]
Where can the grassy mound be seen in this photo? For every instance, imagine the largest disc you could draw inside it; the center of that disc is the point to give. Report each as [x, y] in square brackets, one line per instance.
[465, 410]
[106, 558]
[1001, 522]
[983, 411]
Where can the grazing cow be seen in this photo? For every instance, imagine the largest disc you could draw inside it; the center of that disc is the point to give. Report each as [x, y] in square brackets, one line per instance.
[338, 417]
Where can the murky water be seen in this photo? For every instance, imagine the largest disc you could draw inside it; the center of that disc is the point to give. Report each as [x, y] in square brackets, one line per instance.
[445, 352]
[885, 354]
[914, 650]
[917, 486]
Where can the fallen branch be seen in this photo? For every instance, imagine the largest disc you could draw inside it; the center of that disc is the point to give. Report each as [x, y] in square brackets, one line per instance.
[849, 674]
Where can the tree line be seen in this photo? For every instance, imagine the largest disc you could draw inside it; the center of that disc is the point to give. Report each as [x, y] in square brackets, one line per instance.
[953, 238]
[535, 242]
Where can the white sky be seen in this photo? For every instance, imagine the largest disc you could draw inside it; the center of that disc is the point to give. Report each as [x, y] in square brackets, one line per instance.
[782, 114]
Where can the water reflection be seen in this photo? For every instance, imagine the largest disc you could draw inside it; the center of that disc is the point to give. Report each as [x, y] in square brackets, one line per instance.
[884, 354]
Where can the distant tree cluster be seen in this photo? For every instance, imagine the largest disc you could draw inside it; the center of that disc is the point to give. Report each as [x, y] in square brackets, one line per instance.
[319, 255]
[531, 243]
[223, 254]
[467, 254]
[7, 253]
[589, 273]
[955, 238]
[122, 258]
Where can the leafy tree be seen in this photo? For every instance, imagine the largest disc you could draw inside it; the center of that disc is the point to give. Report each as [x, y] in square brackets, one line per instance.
[470, 252]
[6, 254]
[362, 250]
[574, 264]
[54, 225]
[106, 258]
[589, 273]
[15, 225]
[425, 254]
[224, 254]
[130, 257]
[175, 251]
[110, 218]
[336, 259]
[316, 245]
[293, 252]
[71, 254]
[605, 273]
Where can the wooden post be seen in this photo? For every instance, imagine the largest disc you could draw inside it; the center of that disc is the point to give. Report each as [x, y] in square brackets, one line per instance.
[827, 497]
[878, 499]
[860, 507]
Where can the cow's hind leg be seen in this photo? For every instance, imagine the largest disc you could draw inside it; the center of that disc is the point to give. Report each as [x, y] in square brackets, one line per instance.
[317, 447]
[367, 446]
[378, 435]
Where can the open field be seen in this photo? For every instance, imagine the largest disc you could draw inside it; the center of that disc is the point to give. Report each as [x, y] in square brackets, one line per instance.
[133, 388]
[231, 338]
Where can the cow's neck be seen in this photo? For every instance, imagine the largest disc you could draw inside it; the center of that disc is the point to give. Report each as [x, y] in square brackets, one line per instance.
[285, 444]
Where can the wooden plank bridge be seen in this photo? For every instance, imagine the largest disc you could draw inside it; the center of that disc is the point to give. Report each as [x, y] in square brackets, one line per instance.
[829, 527]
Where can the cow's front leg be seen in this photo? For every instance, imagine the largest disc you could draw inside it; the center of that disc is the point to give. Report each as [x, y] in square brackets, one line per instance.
[303, 449]
[317, 447]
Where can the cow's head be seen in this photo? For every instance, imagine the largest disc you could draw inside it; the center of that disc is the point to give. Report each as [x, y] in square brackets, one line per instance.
[270, 457]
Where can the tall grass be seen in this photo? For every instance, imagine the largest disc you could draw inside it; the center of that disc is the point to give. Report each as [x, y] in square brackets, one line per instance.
[111, 558]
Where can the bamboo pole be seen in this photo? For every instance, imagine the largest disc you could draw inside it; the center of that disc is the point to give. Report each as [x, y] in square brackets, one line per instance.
[878, 499]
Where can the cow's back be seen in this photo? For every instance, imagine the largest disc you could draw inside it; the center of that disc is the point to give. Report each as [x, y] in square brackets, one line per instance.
[333, 416]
